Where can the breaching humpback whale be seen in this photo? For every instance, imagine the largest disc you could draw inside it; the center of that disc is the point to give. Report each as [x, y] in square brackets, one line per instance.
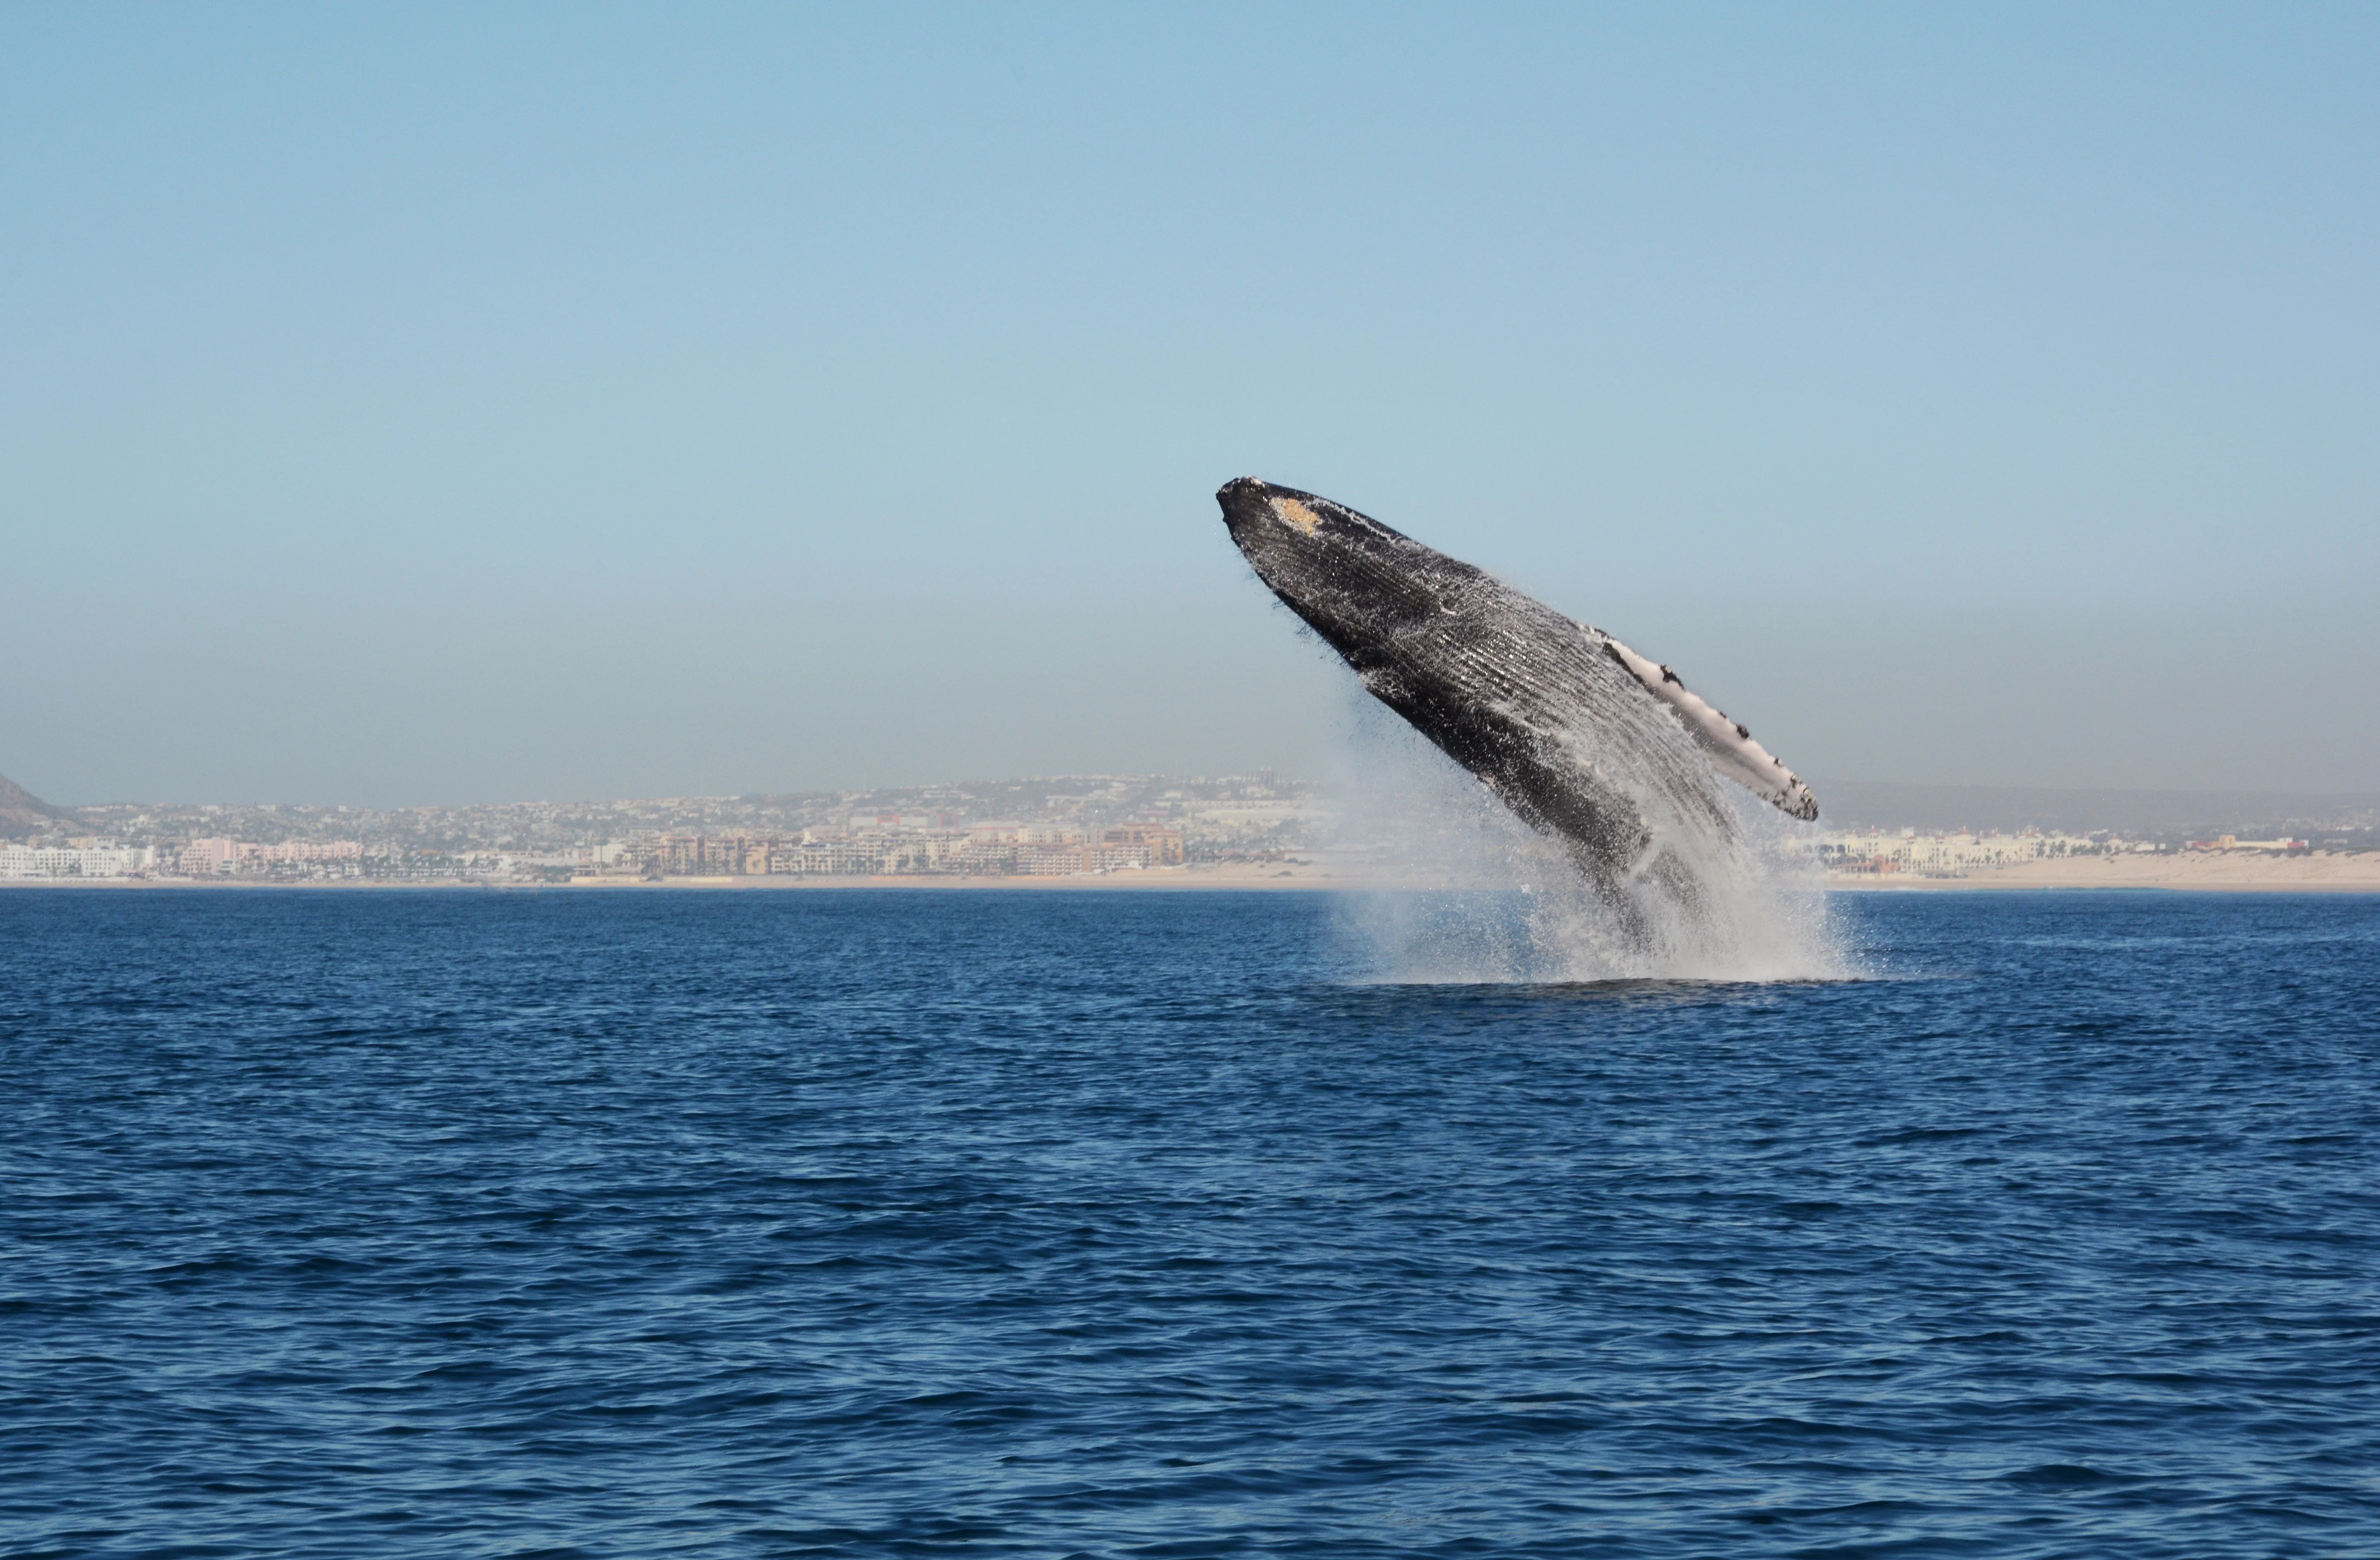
[1588, 742]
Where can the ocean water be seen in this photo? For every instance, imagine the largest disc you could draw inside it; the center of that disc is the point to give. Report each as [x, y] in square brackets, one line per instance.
[907, 1224]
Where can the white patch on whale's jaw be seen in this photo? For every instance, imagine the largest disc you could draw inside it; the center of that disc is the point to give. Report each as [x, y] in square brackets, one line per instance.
[1728, 746]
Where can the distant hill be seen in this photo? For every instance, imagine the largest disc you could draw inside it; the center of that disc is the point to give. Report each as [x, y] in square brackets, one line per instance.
[21, 811]
[1856, 804]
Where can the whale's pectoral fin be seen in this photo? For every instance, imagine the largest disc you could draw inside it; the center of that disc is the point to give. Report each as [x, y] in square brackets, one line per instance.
[1729, 746]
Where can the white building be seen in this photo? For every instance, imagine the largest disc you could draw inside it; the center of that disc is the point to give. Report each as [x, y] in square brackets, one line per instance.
[67, 861]
[1953, 855]
[209, 858]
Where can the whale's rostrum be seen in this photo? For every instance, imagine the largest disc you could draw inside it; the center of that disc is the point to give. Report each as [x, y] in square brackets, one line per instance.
[1587, 741]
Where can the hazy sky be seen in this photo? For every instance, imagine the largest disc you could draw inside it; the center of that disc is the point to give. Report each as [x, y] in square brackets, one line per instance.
[415, 404]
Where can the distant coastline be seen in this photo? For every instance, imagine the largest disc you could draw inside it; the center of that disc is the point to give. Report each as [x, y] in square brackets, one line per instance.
[1109, 833]
[2317, 874]
[1228, 876]
[2202, 872]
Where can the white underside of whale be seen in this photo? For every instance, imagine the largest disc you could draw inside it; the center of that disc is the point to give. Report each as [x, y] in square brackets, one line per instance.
[1728, 746]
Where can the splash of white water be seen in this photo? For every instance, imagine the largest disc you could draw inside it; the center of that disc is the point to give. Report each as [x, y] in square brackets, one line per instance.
[1457, 889]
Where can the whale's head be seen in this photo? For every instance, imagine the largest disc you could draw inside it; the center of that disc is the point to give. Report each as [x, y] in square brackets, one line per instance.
[1353, 579]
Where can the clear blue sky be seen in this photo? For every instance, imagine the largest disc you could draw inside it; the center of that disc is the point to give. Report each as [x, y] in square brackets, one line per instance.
[419, 404]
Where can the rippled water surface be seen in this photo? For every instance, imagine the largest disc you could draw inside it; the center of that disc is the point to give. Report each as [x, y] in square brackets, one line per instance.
[880, 1223]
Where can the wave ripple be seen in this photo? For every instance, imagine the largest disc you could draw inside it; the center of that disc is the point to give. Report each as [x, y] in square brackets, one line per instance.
[906, 1224]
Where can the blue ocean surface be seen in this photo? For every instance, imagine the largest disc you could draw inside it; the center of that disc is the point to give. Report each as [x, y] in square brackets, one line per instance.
[879, 1223]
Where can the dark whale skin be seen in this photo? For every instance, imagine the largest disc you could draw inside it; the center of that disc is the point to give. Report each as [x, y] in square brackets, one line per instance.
[1534, 703]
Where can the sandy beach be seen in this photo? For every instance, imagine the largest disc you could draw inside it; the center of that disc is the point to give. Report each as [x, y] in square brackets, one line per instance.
[1297, 874]
[2209, 871]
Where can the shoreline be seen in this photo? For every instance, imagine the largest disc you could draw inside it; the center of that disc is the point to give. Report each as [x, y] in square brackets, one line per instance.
[2222, 871]
[2209, 873]
[1270, 876]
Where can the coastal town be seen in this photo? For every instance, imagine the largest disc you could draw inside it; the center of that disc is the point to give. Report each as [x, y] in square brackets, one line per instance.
[1257, 828]
[1030, 828]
